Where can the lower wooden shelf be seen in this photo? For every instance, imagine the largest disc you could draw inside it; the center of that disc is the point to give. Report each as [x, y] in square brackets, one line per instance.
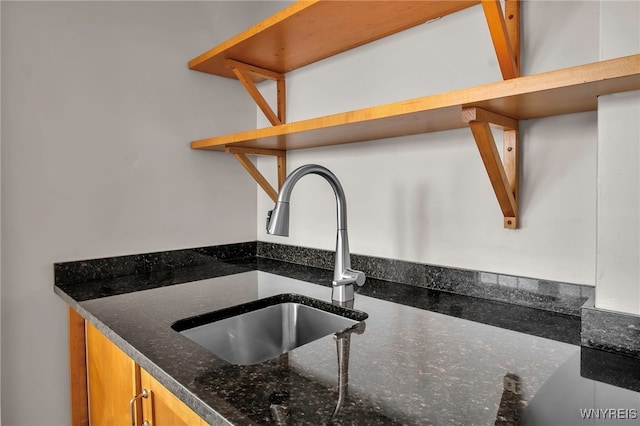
[564, 91]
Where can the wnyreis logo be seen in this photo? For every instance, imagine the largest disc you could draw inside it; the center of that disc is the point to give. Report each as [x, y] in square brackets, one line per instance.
[609, 413]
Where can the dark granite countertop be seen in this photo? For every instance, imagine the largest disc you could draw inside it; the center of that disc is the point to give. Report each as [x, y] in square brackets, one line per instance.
[425, 357]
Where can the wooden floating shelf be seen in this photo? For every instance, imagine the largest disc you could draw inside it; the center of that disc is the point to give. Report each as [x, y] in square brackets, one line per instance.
[309, 31]
[564, 91]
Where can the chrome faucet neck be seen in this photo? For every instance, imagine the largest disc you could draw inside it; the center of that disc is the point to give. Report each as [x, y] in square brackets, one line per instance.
[278, 223]
[284, 196]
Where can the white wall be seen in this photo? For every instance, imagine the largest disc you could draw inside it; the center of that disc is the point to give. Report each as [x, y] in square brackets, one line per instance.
[618, 241]
[98, 109]
[427, 198]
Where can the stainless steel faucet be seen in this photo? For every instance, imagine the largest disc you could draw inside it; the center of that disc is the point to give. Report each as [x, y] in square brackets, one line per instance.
[278, 224]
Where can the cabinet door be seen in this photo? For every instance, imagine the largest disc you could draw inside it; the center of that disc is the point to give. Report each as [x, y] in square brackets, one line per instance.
[162, 408]
[113, 379]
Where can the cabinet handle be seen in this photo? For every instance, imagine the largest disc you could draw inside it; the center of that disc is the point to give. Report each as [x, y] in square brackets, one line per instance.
[132, 408]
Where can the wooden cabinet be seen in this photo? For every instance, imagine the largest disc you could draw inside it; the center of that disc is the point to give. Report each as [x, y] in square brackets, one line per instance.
[162, 408]
[113, 379]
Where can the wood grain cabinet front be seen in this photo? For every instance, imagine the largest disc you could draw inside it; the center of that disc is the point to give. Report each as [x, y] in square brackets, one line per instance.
[112, 378]
[116, 385]
[162, 408]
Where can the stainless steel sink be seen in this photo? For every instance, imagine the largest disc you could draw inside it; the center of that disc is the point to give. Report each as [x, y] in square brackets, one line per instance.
[257, 331]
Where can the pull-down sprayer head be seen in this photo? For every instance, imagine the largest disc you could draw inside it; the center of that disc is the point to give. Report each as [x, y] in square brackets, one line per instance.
[278, 220]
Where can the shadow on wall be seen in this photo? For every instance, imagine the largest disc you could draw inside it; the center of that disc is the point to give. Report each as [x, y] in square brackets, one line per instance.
[409, 207]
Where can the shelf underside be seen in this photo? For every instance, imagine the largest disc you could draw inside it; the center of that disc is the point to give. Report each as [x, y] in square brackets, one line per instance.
[559, 92]
[309, 31]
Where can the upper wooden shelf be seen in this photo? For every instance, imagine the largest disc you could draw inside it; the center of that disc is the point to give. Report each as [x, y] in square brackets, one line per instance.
[564, 91]
[308, 31]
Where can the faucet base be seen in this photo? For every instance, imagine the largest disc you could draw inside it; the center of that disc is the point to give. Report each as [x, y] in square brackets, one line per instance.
[342, 293]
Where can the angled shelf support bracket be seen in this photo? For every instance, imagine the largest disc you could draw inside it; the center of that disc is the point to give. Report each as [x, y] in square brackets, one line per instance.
[503, 172]
[505, 34]
[241, 155]
[243, 73]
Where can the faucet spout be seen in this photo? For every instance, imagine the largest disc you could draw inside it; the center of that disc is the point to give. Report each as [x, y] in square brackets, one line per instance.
[278, 224]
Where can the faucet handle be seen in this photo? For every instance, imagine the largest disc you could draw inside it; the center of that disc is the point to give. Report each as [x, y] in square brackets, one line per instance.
[354, 276]
[343, 287]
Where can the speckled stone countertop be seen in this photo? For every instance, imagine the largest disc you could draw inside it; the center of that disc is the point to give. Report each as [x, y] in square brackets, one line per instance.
[424, 358]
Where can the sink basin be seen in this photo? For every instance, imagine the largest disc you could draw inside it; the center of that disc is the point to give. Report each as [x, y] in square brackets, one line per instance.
[263, 329]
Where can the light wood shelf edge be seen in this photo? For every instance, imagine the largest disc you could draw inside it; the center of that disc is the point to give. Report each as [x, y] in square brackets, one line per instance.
[564, 91]
[309, 31]
[199, 62]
